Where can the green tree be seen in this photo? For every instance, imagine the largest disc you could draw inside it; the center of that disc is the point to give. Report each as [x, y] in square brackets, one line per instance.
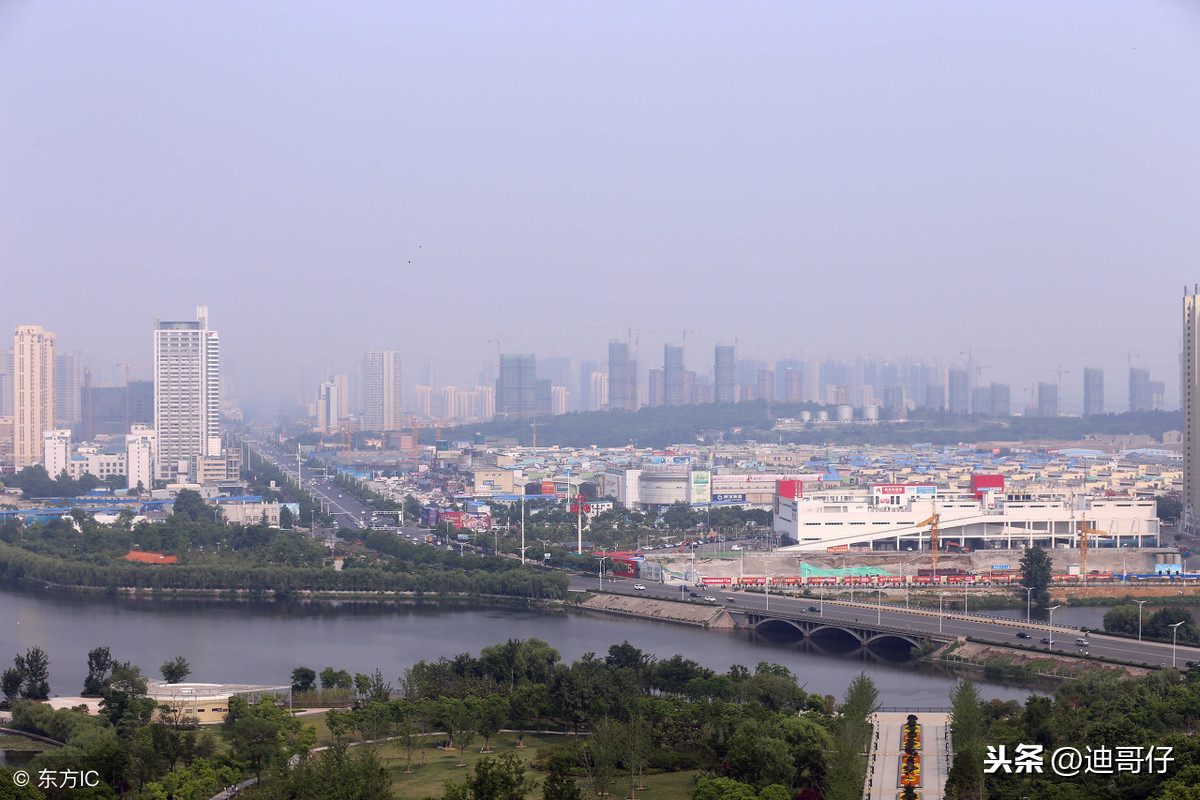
[559, 783]
[99, 665]
[1036, 571]
[35, 667]
[285, 518]
[190, 505]
[709, 787]
[303, 679]
[412, 509]
[1122, 619]
[965, 779]
[1169, 507]
[9, 790]
[1159, 625]
[758, 757]
[501, 778]
[680, 516]
[10, 684]
[176, 670]
[124, 695]
[847, 759]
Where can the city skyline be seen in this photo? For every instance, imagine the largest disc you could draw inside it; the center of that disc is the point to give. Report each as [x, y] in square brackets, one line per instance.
[1129, 387]
[811, 182]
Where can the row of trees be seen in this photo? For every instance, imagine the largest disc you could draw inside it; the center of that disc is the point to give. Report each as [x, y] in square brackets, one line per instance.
[21, 564]
[1094, 715]
[34, 481]
[758, 729]
[1128, 620]
[29, 677]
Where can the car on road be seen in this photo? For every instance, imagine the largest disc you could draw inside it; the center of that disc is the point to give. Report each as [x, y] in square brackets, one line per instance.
[640, 587]
[813, 609]
[1023, 635]
[708, 598]
[1189, 664]
[1045, 640]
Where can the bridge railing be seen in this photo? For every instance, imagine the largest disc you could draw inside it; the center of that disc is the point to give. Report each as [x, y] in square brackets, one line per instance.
[970, 615]
[800, 616]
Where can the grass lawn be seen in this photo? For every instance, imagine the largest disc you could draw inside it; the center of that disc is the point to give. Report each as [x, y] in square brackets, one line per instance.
[428, 780]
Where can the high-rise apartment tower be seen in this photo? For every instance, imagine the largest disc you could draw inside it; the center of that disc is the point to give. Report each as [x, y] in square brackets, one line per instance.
[1190, 374]
[1093, 391]
[33, 393]
[187, 396]
[383, 407]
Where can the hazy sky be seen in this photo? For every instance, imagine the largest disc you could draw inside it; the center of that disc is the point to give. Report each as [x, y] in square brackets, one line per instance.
[814, 179]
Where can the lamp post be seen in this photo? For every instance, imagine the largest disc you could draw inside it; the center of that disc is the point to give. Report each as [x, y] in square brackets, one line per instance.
[1174, 631]
[965, 585]
[822, 599]
[1028, 602]
[1140, 604]
[941, 599]
[879, 605]
[1051, 610]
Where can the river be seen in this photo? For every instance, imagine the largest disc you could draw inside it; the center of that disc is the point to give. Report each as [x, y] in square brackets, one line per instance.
[258, 641]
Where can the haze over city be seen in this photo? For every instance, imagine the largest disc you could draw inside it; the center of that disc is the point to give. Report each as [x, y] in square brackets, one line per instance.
[812, 181]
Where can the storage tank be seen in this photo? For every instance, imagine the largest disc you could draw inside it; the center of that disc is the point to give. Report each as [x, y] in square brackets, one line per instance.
[871, 413]
[806, 416]
[845, 413]
[822, 416]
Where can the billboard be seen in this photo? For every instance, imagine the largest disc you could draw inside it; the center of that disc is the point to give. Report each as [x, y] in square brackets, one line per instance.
[725, 497]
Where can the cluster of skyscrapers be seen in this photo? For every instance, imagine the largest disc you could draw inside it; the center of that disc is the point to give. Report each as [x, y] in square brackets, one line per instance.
[524, 385]
[176, 437]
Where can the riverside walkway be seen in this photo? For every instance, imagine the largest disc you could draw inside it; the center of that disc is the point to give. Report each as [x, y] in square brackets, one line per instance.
[883, 762]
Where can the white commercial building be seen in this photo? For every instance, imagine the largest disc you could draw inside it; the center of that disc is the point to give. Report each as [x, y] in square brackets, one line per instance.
[868, 520]
[56, 451]
[140, 447]
[187, 396]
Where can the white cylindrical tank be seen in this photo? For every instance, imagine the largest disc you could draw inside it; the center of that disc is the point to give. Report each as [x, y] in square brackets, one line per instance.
[806, 416]
[845, 413]
[822, 416]
[871, 413]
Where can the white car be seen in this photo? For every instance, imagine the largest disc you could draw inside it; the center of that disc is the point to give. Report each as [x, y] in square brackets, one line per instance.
[640, 587]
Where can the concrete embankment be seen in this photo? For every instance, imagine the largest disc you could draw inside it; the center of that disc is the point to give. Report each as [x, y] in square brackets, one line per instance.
[704, 616]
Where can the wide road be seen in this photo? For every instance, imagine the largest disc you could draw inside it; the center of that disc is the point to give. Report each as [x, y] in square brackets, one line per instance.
[991, 629]
[347, 511]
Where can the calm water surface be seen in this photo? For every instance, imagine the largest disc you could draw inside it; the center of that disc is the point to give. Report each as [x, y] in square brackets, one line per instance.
[256, 641]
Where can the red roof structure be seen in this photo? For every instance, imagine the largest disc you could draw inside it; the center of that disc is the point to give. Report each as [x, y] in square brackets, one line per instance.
[143, 557]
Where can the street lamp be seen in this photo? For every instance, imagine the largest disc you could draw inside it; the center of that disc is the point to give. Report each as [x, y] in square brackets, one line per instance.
[1174, 631]
[1028, 601]
[1051, 610]
[822, 599]
[1140, 604]
[941, 599]
[879, 606]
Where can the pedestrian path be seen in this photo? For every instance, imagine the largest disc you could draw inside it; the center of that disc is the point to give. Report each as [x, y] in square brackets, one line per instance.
[887, 749]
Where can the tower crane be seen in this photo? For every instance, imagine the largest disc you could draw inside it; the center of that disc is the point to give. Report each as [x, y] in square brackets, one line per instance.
[932, 522]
